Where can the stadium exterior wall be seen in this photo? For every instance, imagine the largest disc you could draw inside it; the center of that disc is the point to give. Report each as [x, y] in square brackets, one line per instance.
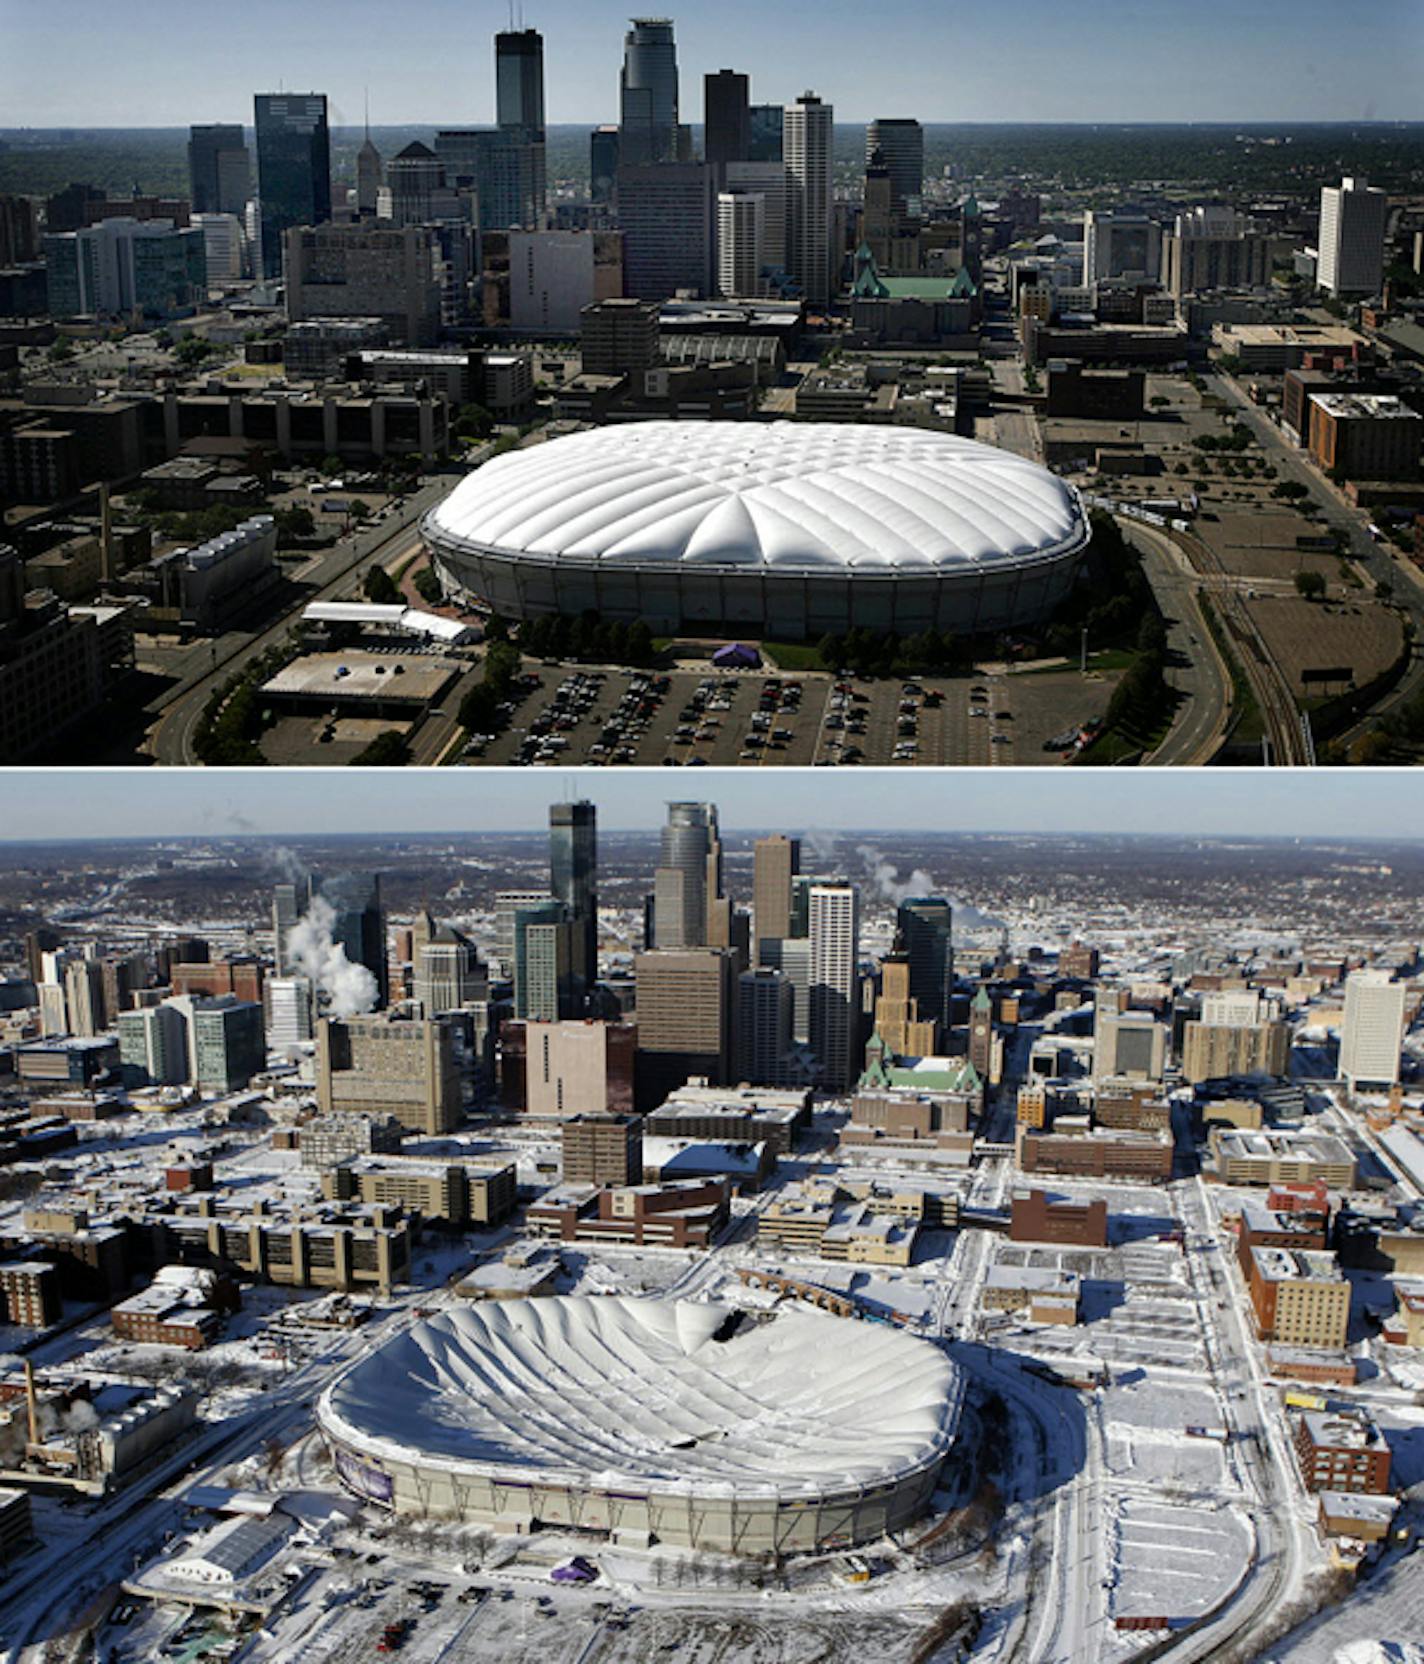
[715, 1520]
[790, 605]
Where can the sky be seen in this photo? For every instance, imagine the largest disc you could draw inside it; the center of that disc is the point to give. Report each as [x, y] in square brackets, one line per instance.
[157, 63]
[45, 804]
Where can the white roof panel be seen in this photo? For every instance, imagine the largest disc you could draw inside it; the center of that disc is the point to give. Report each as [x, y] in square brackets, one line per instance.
[791, 495]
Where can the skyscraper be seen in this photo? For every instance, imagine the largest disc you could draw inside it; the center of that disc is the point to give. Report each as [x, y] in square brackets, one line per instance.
[543, 961]
[1353, 216]
[289, 903]
[1120, 242]
[519, 102]
[293, 168]
[573, 871]
[219, 168]
[1372, 1030]
[603, 151]
[727, 132]
[667, 214]
[648, 121]
[925, 927]
[765, 1006]
[360, 925]
[370, 175]
[776, 860]
[741, 232]
[685, 1010]
[901, 143]
[807, 143]
[687, 882]
[835, 981]
[765, 122]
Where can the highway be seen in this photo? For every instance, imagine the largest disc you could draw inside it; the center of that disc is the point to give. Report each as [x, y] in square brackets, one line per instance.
[1205, 683]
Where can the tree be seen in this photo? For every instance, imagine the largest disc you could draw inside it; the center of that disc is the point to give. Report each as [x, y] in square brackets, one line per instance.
[62, 350]
[358, 510]
[380, 587]
[473, 421]
[388, 750]
[192, 350]
[294, 523]
[428, 587]
[1310, 585]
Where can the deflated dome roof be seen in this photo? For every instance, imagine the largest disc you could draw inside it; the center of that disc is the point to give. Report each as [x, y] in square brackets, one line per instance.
[789, 496]
[596, 1390]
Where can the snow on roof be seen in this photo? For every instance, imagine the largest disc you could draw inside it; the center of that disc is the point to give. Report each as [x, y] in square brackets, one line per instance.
[231, 1551]
[793, 496]
[640, 1393]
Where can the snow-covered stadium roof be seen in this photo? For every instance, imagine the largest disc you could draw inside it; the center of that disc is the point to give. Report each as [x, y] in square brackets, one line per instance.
[598, 1391]
[790, 496]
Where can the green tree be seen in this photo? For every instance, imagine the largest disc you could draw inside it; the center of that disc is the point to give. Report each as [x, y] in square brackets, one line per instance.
[62, 350]
[380, 587]
[389, 749]
[295, 523]
[473, 421]
[1310, 584]
[359, 510]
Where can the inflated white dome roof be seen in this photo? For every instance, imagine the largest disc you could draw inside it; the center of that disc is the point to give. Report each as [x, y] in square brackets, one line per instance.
[793, 496]
[590, 1391]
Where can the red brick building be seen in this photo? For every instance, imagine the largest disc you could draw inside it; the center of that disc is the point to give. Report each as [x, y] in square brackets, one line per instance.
[1034, 1218]
[1341, 1450]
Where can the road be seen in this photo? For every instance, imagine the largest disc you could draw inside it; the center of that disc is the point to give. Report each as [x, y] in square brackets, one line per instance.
[1382, 563]
[1197, 671]
[179, 710]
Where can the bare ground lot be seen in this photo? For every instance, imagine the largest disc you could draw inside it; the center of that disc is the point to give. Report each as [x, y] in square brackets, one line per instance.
[1309, 635]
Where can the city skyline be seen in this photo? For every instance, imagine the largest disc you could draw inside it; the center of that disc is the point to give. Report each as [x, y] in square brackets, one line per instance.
[86, 78]
[1085, 803]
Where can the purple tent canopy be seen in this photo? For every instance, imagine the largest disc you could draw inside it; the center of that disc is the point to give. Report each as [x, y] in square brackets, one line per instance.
[736, 655]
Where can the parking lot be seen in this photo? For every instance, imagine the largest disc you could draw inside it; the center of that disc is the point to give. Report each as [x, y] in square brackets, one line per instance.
[583, 714]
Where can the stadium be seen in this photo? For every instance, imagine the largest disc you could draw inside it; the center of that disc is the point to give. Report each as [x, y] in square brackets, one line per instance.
[783, 529]
[648, 1421]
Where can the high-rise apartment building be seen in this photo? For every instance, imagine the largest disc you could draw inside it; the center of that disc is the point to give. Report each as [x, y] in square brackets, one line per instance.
[741, 233]
[1372, 1030]
[771, 182]
[648, 102]
[900, 142]
[835, 982]
[219, 168]
[1353, 218]
[667, 214]
[379, 1066]
[925, 927]
[573, 879]
[293, 169]
[84, 998]
[290, 1001]
[807, 141]
[726, 114]
[507, 905]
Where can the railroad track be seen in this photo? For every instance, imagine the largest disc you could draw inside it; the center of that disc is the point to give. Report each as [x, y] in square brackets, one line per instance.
[1287, 741]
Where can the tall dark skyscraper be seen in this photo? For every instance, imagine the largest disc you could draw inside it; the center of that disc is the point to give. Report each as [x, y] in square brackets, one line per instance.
[602, 163]
[647, 110]
[293, 167]
[519, 104]
[219, 169]
[924, 924]
[727, 116]
[764, 126]
[360, 924]
[901, 143]
[573, 872]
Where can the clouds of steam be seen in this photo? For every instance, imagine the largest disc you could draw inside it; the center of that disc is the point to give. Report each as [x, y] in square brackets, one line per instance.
[348, 989]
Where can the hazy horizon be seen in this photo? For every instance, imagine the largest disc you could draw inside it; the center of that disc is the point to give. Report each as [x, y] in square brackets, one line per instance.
[1271, 61]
